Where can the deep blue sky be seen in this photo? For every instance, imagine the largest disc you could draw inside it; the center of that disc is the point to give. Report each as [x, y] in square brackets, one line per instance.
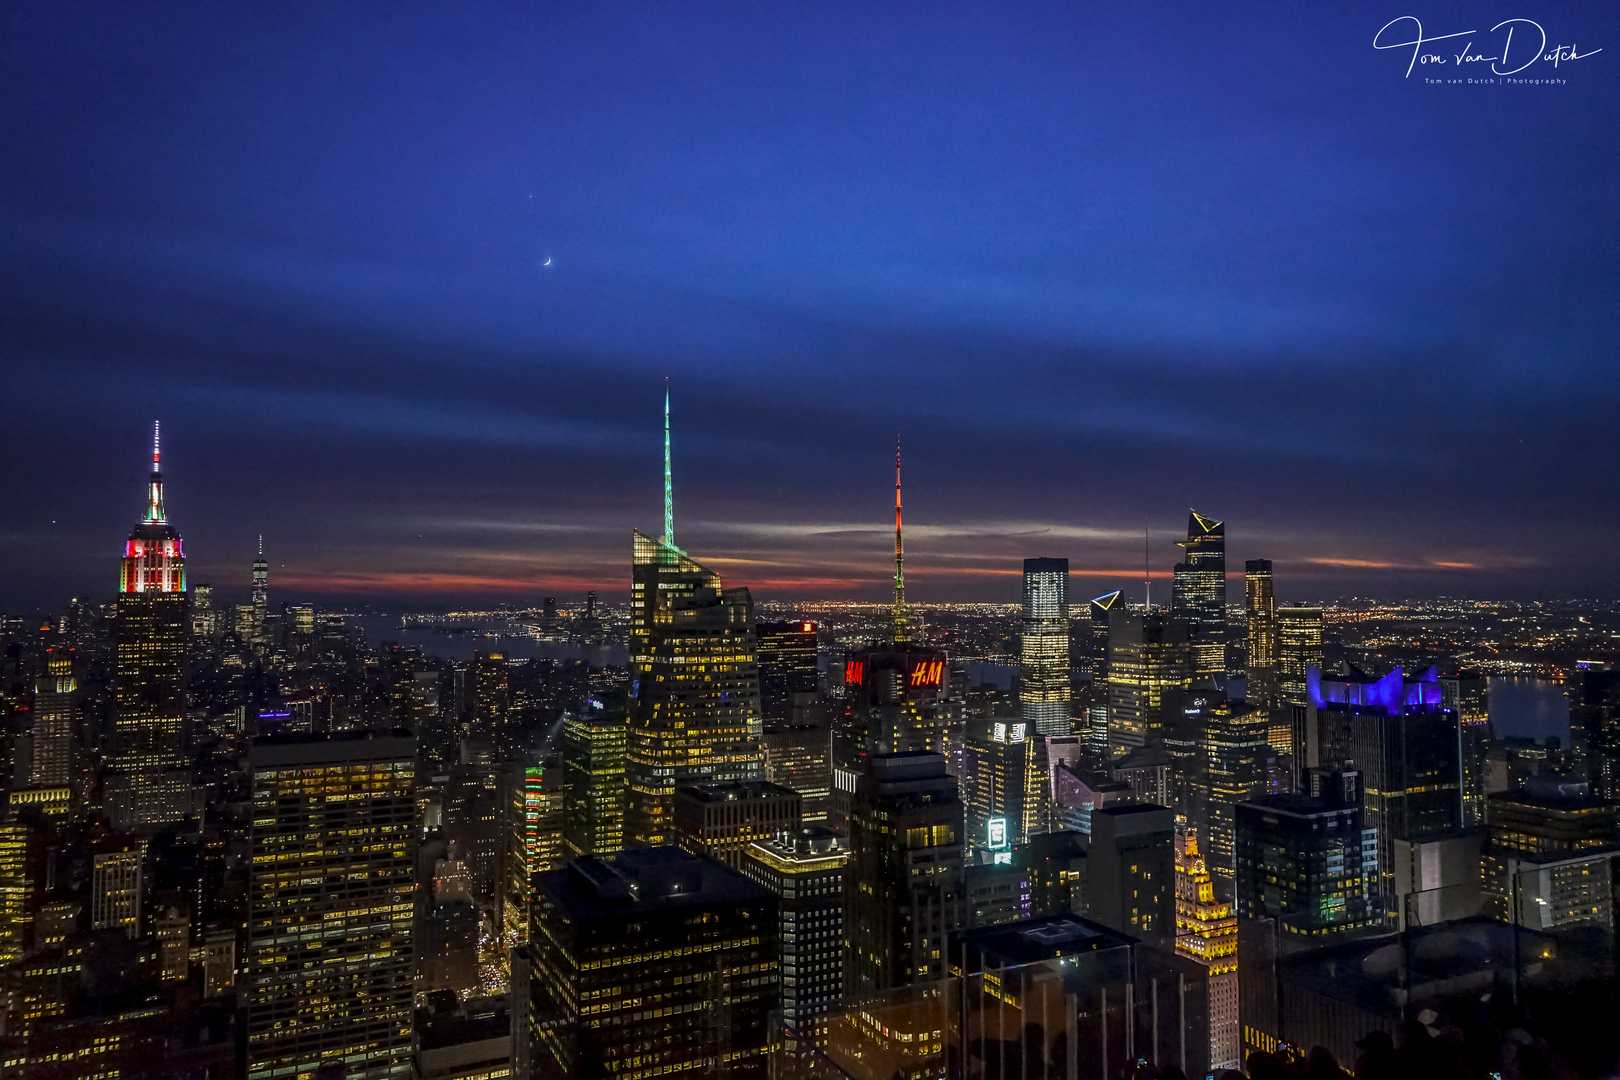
[1096, 263]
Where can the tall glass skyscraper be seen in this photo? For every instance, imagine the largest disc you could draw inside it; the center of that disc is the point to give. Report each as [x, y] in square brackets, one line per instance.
[695, 678]
[1260, 603]
[1198, 594]
[1043, 671]
[1148, 655]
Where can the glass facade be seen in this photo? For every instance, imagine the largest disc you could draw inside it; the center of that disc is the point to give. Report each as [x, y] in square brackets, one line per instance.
[695, 675]
[1198, 594]
[1148, 656]
[594, 756]
[1043, 671]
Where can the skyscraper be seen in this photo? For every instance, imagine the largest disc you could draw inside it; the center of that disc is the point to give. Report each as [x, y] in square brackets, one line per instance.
[1306, 859]
[721, 820]
[261, 587]
[904, 889]
[150, 684]
[1103, 610]
[787, 669]
[1233, 770]
[56, 717]
[1207, 933]
[797, 738]
[1463, 693]
[695, 678]
[1299, 647]
[1395, 731]
[328, 969]
[594, 756]
[532, 799]
[805, 869]
[1148, 656]
[1131, 864]
[1198, 594]
[1043, 671]
[657, 962]
[1003, 786]
[1260, 684]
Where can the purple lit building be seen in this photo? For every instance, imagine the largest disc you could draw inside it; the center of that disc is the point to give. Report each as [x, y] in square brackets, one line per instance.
[1395, 730]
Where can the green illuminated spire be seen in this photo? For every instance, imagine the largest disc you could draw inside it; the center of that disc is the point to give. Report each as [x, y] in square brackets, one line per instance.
[669, 497]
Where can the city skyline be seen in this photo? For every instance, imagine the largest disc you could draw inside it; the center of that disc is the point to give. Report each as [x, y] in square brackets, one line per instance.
[419, 342]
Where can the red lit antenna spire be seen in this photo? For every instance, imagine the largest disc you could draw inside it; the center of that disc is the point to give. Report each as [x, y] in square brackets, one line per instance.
[902, 626]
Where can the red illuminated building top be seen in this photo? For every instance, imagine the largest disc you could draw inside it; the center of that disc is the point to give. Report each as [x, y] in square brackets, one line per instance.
[154, 561]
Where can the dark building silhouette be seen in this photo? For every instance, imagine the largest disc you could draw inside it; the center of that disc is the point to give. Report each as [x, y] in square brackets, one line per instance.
[903, 891]
[655, 962]
[1132, 870]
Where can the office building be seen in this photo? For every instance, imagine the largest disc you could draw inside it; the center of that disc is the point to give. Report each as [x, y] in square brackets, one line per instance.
[996, 891]
[150, 644]
[1547, 861]
[656, 962]
[695, 679]
[1393, 730]
[1102, 609]
[20, 857]
[115, 890]
[1198, 594]
[56, 722]
[594, 747]
[1004, 784]
[804, 869]
[1131, 863]
[328, 965]
[1043, 669]
[798, 738]
[896, 701]
[1207, 934]
[1299, 648]
[904, 888]
[1463, 694]
[1073, 997]
[1233, 770]
[1149, 772]
[1148, 657]
[492, 693]
[1260, 668]
[532, 797]
[721, 820]
[1057, 871]
[1306, 860]
[787, 670]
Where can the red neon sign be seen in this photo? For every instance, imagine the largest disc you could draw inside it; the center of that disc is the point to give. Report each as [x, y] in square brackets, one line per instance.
[854, 672]
[927, 673]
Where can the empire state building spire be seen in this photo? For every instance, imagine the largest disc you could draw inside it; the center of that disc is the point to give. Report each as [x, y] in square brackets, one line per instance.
[154, 561]
[899, 614]
[154, 497]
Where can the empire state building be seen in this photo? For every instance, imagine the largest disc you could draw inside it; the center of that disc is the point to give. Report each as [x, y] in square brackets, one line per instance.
[150, 684]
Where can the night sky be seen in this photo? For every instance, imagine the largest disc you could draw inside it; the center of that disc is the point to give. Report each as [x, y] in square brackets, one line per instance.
[403, 283]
